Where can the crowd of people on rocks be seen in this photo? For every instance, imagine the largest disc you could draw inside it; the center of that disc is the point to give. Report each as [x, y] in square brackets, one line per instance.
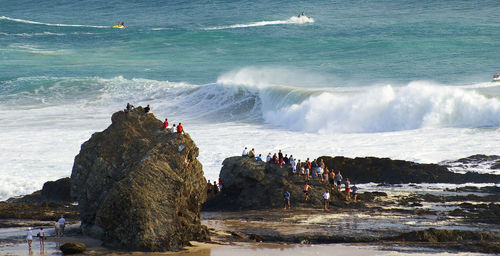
[309, 170]
[213, 188]
[175, 128]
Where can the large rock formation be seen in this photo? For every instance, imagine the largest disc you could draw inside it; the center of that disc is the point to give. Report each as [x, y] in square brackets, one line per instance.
[140, 187]
[250, 184]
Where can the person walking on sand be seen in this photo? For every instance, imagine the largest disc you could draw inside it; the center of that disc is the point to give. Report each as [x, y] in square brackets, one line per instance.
[57, 228]
[286, 198]
[41, 235]
[326, 199]
[180, 129]
[306, 191]
[62, 223]
[165, 124]
[29, 237]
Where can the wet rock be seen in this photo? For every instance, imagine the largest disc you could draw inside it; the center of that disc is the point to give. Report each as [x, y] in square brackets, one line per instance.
[72, 248]
[139, 187]
[443, 235]
[386, 170]
[58, 191]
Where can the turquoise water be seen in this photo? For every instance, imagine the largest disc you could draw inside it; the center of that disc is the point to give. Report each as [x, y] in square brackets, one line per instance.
[355, 43]
[402, 79]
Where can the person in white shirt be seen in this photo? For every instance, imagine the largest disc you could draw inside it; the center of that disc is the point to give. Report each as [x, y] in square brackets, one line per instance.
[29, 237]
[326, 198]
[268, 158]
[294, 165]
[41, 235]
[62, 223]
[245, 152]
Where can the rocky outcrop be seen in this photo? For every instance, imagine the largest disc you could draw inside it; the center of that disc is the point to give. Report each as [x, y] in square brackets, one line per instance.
[386, 170]
[140, 187]
[57, 191]
[52, 191]
[250, 184]
[72, 248]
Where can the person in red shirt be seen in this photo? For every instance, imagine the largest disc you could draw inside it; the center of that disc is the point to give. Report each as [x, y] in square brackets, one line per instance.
[165, 124]
[180, 129]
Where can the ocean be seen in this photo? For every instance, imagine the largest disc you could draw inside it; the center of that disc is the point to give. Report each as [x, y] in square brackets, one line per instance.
[408, 80]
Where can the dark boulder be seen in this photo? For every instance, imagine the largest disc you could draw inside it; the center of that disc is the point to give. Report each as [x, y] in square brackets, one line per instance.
[72, 248]
[58, 191]
[140, 187]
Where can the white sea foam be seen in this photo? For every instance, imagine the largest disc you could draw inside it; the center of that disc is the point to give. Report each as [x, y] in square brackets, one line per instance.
[291, 20]
[34, 49]
[46, 33]
[49, 24]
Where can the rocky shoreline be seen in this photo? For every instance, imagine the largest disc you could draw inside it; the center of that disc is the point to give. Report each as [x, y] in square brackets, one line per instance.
[138, 187]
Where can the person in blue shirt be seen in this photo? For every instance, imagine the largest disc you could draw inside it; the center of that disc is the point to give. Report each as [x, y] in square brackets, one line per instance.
[286, 197]
[259, 157]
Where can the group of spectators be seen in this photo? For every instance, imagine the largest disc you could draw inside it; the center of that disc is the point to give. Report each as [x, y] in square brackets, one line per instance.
[310, 170]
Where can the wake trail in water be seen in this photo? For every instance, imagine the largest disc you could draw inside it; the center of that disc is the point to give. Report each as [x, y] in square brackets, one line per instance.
[50, 24]
[292, 20]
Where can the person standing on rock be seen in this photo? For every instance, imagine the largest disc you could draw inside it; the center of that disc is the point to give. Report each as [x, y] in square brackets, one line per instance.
[306, 191]
[180, 129]
[286, 197]
[216, 188]
[165, 124]
[29, 237]
[294, 165]
[326, 199]
[338, 180]
[147, 109]
[354, 192]
[347, 184]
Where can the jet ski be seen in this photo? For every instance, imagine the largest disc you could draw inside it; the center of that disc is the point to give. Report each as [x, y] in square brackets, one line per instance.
[496, 79]
[119, 26]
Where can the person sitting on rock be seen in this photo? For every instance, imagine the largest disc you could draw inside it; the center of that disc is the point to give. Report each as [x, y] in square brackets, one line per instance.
[147, 109]
[129, 106]
[286, 197]
[259, 157]
[180, 129]
[165, 124]
[245, 152]
[268, 158]
[251, 153]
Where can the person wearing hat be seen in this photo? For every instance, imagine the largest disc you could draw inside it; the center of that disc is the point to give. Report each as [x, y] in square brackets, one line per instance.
[29, 237]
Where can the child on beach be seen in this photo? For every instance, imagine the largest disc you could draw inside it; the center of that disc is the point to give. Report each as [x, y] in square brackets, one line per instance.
[41, 236]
